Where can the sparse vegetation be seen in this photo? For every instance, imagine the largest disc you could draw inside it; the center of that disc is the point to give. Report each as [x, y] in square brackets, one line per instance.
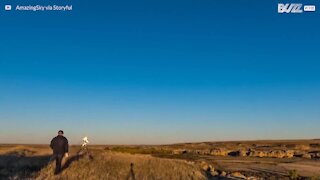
[177, 161]
[108, 165]
[16, 164]
[139, 150]
[293, 174]
[315, 178]
[21, 162]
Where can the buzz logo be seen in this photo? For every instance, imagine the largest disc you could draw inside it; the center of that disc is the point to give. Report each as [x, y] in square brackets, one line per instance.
[290, 8]
[295, 8]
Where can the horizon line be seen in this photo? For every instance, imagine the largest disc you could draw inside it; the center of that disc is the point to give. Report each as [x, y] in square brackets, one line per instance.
[175, 143]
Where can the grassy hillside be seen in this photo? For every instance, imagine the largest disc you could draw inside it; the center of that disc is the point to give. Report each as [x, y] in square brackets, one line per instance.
[108, 165]
[33, 162]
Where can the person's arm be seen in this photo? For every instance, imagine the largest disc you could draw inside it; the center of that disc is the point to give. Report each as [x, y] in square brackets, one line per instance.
[66, 146]
[51, 143]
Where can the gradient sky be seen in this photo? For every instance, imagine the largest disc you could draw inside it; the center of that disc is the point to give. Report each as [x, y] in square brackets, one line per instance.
[150, 72]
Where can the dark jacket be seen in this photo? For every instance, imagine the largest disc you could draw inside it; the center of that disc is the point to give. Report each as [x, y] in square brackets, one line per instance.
[59, 145]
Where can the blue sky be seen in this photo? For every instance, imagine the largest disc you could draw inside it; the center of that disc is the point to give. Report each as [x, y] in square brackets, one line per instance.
[151, 72]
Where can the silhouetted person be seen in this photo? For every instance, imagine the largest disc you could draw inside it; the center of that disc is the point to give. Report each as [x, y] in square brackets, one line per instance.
[60, 147]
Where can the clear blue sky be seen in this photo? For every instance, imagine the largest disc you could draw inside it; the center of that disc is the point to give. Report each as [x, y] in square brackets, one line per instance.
[127, 72]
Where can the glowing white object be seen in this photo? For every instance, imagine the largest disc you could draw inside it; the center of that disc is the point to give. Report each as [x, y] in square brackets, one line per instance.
[85, 141]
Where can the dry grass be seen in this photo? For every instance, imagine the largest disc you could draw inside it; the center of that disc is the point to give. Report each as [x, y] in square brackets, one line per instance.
[20, 162]
[109, 165]
[32, 162]
[25, 150]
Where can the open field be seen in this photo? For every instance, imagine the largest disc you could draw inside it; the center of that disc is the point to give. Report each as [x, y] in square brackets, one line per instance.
[298, 159]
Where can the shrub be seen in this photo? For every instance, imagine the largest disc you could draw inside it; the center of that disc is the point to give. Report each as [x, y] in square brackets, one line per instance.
[293, 174]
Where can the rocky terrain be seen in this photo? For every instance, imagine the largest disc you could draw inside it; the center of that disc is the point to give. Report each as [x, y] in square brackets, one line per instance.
[273, 159]
[309, 149]
[251, 160]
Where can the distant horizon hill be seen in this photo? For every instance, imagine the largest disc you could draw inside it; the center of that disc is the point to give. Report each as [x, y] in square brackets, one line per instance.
[177, 143]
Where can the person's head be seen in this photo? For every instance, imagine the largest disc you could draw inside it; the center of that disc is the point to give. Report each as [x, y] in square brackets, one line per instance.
[60, 133]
